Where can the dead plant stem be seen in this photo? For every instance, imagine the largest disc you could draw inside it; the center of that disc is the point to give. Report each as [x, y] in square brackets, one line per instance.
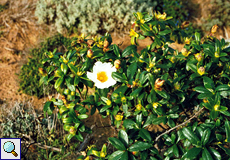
[182, 124]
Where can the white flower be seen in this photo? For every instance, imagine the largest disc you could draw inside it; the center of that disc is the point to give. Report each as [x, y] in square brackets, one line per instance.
[101, 75]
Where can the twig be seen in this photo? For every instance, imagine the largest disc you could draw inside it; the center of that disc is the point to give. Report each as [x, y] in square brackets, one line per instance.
[182, 124]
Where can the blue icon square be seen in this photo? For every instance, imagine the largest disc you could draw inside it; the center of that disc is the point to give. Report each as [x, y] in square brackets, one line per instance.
[10, 148]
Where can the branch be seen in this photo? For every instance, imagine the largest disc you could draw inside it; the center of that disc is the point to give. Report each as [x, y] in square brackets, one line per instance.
[182, 124]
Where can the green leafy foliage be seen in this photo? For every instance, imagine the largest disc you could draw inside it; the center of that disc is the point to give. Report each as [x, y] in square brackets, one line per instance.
[186, 91]
[29, 74]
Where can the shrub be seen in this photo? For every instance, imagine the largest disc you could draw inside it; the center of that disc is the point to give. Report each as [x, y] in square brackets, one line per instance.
[22, 121]
[187, 91]
[100, 16]
[218, 14]
[29, 75]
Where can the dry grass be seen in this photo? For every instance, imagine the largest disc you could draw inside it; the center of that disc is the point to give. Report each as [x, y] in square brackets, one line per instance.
[16, 24]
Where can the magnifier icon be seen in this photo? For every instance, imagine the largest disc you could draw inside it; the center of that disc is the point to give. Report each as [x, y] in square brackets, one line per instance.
[9, 147]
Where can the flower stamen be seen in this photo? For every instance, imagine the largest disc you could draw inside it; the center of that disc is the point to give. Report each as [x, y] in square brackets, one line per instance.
[102, 77]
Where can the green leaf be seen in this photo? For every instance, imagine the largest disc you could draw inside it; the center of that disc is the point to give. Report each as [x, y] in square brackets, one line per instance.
[118, 77]
[175, 150]
[227, 151]
[129, 50]
[197, 36]
[226, 113]
[205, 137]
[123, 136]
[64, 68]
[125, 156]
[201, 89]
[116, 155]
[76, 80]
[158, 120]
[67, 120]
[206, 155]
[116, 50]
[144, 27]
[215, 153]
[96, 153]
[191, 66]
[131, 70]
[149, 120]
[136, 92]
[193, 153]
[165, 32]
[162, 94]
[190, 136]
[139, 119]
[139, 146]
[69, 137]
[43, 80]
[59, 82]
[129, 124]
[223, 87]
[145, 135]
[204, 95]
[79, 137]
[73, 68]
[117, 143]
[46, 106]
[82, 116]
[208, 83]
[151, 79]
[227, 130]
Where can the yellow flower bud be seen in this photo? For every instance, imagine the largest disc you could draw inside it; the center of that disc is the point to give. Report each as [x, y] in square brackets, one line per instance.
[108, 102]
[135, 84]
[138, 107]
[155, 105]
[173, 59]
[102, 154]
[79, 73]
[151, 65]
[185, 24]
[201, 71]
[214, 29]
[123, 99]
[72, 130]
[89, 53]
[41, 71]
[142, 21]
[65, 61]
[133, 33]
[205, 101]
[185, 52]
[187, 40]
[118, 117]
[72, 93]
[156, 70]
[106, 43]
[160, 16]
[117, 63]
[198, 57]
[216, 107]
[158, 84]
[177, 86]
[217, 55]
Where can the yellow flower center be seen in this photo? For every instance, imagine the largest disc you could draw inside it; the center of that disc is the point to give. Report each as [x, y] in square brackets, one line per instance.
[101, 76]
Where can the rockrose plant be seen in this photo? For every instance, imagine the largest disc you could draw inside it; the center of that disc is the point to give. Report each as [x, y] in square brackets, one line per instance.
[186, 93]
